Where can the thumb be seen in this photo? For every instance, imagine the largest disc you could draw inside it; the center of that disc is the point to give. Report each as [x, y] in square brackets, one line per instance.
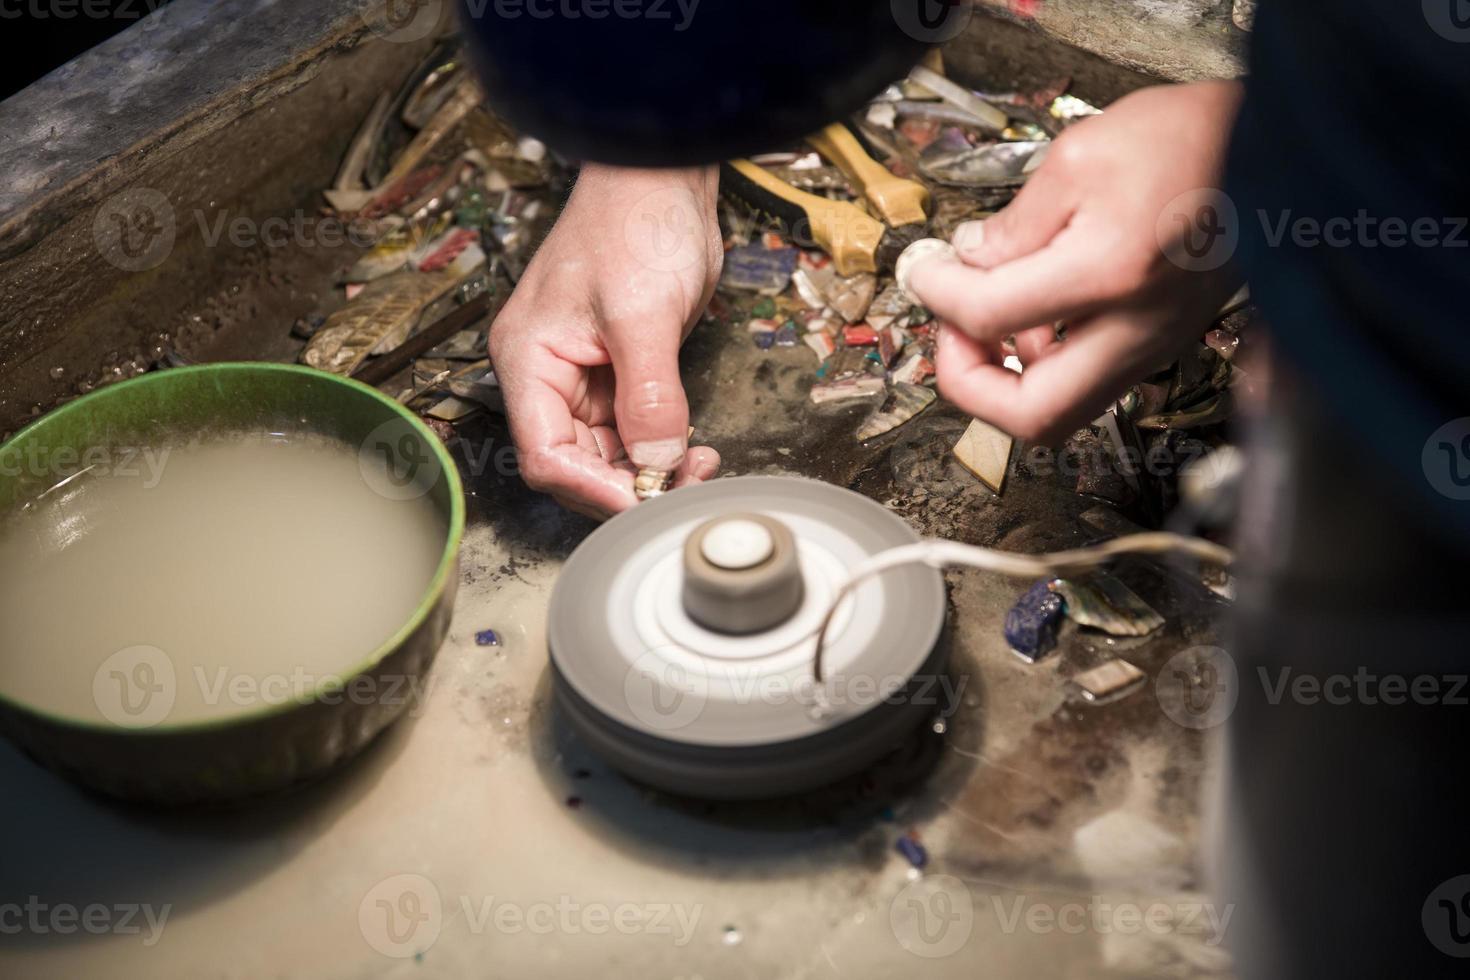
[1027, 224]
[652, 412]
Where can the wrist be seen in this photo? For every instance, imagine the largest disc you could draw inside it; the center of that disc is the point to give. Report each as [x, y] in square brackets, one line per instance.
[600, 178]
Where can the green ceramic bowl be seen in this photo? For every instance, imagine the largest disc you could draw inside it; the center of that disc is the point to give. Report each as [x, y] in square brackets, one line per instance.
[275, 747]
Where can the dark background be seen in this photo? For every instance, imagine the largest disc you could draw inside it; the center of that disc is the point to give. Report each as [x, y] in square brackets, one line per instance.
[40, 35]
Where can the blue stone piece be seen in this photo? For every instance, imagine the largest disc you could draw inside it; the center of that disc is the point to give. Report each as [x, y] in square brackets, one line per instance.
[786, 336]
[764, 339]
[1031, 624]
[913, 851]
[755, 267]
[487, 638]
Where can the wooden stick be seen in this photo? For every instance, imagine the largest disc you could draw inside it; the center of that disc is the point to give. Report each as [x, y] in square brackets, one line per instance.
[379, 369]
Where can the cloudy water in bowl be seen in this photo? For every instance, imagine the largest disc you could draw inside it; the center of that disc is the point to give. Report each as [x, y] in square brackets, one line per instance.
[208, 579]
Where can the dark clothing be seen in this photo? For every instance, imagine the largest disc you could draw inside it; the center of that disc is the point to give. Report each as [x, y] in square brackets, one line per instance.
[1345, 792]
[1359, 109]
[1344, 823]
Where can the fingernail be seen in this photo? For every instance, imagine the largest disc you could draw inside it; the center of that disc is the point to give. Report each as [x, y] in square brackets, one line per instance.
[969, 236]
[658, 454]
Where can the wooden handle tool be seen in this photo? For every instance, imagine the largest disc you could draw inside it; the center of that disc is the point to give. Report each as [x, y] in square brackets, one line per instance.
[899, 201]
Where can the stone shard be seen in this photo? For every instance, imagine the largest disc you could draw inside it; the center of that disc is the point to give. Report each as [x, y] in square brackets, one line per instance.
[985, 451]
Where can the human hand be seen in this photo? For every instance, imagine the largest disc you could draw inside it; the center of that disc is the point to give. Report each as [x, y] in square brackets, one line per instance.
[587, 348]
[1091, 241]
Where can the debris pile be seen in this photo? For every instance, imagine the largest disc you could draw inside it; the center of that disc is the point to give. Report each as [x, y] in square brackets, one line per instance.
[450, 201]
[812, 238]
[813, 234]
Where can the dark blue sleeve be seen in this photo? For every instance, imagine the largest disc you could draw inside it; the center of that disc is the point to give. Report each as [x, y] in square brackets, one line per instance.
[1348, 171]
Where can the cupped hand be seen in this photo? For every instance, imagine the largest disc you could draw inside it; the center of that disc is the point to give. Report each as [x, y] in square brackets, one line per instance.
[587, 347]
[1119, 236]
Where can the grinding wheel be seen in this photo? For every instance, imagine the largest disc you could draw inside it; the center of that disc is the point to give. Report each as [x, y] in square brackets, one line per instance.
[682, 634]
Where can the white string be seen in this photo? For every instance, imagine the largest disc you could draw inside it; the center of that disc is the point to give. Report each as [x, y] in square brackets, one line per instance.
[938, 553]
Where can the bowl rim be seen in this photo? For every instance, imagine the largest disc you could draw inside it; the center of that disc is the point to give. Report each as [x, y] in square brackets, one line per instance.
[434, 591]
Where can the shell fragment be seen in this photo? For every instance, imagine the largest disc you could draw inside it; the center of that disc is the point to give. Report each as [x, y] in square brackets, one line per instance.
[985, 451]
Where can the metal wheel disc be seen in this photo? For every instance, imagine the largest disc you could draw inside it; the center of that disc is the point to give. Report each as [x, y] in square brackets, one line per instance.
[703, 712]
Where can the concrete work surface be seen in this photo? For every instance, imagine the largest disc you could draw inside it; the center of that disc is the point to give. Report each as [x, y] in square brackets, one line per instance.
[477, 838]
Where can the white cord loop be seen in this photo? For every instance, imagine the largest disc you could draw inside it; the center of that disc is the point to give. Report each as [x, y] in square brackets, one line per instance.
[938, 553]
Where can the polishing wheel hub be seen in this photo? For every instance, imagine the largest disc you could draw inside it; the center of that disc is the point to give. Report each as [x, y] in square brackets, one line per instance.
[682, 635]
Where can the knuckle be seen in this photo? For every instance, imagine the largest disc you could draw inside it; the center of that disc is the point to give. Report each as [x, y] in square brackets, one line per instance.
[540, 469]
[1029, 428]
[653, 400]
[1069, 151]
[1132, 275]
[952, 389]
